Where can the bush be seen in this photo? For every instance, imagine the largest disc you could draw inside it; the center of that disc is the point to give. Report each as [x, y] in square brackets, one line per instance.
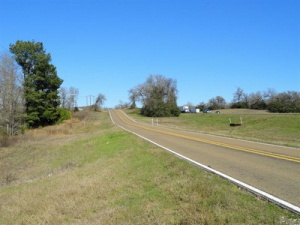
[239, 105]
[160, 110]
[282, 108]
[6, 140]
[64, 114]
[259, 105]
[175, 111]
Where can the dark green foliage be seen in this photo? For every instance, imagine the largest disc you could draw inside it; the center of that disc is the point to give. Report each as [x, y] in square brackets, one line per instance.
[201, 106]
[160, 109]
[239, 105]
[161, 98]
[286, 102]
[155, 105]
[174, 110]
[26, 53]
[41, 83]
[259, 105]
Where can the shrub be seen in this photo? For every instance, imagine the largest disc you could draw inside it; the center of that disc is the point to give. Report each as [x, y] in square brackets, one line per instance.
[259, 105]
[160, 109]
[64, 114]
[239, 105]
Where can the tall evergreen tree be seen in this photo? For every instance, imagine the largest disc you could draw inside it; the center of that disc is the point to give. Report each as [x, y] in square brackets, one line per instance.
[41, 83]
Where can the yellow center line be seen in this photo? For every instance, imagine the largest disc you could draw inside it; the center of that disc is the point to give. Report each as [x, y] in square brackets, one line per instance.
[245, 149]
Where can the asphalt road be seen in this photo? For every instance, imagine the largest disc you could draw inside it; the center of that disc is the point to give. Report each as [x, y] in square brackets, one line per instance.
[272, 169]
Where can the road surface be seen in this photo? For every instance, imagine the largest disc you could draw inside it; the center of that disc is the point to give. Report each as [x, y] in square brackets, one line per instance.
[272, 169]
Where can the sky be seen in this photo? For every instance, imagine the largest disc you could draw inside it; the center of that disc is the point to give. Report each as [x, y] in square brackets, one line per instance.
[210, 47]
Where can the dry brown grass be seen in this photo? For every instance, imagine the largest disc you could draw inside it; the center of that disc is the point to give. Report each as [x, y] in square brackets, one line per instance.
[35, 135]
[18, 153]
[68, 127]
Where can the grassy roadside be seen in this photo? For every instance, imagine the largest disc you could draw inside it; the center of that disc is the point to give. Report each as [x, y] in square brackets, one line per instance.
[100, 174]
[280, 129]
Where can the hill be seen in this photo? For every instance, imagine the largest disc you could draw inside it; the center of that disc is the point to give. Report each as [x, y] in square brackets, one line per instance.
[258, 125]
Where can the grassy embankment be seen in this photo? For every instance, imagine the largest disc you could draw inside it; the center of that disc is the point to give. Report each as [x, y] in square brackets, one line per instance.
[258, 125]
[95, 173]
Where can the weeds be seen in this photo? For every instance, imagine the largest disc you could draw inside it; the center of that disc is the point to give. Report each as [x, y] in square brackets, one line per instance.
[5, 141]
[68, 165]
[9, 178]
[82, 115]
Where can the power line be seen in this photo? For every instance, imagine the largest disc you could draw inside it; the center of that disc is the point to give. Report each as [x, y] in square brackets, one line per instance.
[87, 100]
[4, 48]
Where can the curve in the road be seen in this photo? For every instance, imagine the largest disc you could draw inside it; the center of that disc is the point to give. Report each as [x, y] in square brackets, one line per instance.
[239, 148]
[248, 187]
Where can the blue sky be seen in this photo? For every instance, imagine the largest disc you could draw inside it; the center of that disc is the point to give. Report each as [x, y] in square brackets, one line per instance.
[210, 47]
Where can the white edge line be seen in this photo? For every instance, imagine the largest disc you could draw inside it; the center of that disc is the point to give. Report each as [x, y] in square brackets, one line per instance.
[248, 187]
[215, 135]
[129, 117]
[111, 117]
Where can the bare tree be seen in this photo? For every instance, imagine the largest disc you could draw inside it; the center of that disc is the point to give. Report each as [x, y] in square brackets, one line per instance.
[221, 102]
[99, 101]
[73, 94]
[217, 103]
[255, 98]
[63, 92]
[238, 95]
[240, 99]
[133, 97]
[11, 95]
[270, 95]
[190, 104]
[122, 105]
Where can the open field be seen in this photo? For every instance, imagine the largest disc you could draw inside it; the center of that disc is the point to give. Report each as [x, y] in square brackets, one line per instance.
[261, 126]
[93, 172]
[241, 111]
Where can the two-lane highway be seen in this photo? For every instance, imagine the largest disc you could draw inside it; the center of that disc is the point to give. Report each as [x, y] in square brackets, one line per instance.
[272, 169]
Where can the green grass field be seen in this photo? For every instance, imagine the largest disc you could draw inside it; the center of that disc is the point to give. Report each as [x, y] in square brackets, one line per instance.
[281, 129]
[93, 172]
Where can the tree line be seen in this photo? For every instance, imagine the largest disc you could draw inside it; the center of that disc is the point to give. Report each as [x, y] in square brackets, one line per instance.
[30, 93]
[28, 88]
[158, 96]
[283, 102]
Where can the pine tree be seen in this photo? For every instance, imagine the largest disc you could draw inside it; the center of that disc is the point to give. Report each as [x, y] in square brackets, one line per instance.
[41, 83]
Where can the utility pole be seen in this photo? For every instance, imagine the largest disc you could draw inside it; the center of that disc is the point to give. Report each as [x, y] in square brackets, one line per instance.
[87, 99]
[71, 103]
[87, 102]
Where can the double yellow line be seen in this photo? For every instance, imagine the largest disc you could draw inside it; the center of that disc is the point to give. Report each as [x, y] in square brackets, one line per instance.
[245, 149]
